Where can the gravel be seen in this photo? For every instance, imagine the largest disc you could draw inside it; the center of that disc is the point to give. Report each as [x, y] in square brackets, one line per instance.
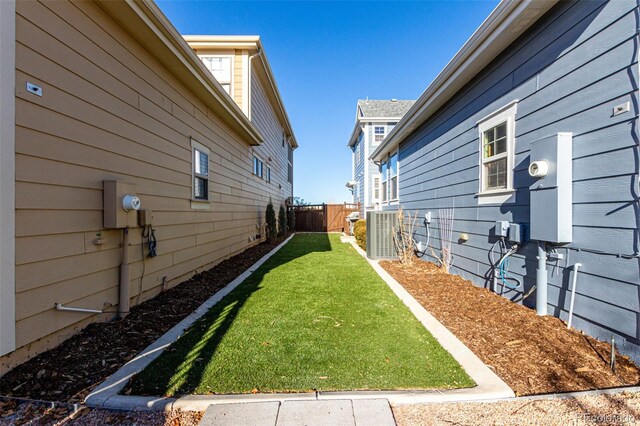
[620, 409]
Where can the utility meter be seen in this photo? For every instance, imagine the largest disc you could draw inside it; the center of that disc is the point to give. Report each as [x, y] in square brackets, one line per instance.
[551, 203]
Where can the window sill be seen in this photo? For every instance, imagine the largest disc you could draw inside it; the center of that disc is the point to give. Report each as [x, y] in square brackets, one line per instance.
[497, 196]
[200, 204]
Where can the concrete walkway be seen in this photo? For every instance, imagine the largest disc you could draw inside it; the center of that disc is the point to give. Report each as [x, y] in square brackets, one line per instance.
[337, 412]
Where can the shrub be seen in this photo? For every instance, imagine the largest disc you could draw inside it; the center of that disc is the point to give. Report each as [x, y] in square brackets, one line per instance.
[360, 232]
[291, 219]
[282, 222]
[270, 219]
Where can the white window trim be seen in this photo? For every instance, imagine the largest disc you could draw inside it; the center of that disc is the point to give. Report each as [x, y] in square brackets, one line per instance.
[254, 156]
[232, 77]
[197, 203]
[396, 200]
[7, 178]
[506, 195]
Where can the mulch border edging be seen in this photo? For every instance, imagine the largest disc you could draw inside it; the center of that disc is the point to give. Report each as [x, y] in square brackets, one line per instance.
[488, 384]
[106, 394]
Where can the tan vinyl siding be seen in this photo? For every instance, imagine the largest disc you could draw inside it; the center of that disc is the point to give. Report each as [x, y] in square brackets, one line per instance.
[237, 78]
[109, 110]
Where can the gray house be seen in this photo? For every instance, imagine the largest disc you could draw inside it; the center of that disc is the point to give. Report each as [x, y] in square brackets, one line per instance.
[374, 120]
[534, 122]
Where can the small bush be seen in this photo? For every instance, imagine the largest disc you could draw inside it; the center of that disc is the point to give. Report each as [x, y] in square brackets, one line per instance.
[282, 222]
[270, 219]
[360, 232]
[291, 219]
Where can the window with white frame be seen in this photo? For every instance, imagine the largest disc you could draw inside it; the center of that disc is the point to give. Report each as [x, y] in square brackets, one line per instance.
[221, 68]
[378, 134]
[385, 176]
[393, 176]
[200, 171]
[268, 174]
[376, 189]
[389, 172]
[258, 166]
[497, 142]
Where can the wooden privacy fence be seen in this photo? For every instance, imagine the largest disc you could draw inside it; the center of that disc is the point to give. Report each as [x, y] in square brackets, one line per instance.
[323, 217]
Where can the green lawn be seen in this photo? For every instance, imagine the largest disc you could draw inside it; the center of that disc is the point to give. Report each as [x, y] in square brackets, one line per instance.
[315, 316]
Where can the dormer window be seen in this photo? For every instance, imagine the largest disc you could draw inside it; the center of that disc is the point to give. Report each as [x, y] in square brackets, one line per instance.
[221, 68]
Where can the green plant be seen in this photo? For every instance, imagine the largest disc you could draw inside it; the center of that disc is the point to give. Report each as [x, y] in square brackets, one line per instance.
[272, 225]
[282, 222]
[360, 232]
[291, 219]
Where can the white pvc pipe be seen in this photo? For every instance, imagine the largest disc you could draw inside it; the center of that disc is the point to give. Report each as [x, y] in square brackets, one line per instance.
[573, 292]
[541, 279]
[60, 307]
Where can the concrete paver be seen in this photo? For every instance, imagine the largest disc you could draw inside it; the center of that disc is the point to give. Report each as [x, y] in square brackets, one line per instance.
[316, 413]
[335, 412]
[368, 412]
[244, 414]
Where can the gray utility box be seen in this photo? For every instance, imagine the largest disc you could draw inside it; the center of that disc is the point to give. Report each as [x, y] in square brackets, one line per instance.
[380, 235]
[551, 189]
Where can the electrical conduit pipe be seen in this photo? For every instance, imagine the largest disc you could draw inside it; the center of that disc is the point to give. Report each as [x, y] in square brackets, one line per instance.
[541, 280]
[573, 292]
[125, 276]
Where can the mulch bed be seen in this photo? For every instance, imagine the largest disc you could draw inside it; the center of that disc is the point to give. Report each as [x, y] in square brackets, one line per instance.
[69, 371]
[532, 354]
[23, 413]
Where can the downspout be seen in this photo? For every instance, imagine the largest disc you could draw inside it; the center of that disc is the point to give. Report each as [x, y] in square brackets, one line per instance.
[125, 276]
[541, 280]
[258, 53]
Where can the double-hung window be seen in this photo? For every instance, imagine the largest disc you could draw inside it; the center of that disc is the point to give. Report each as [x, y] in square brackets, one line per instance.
[393, 176]
[378, 134]
[258, 166]
[497, 144]
[376, 189]
[200, 171]
[221, 68]
[385, 175]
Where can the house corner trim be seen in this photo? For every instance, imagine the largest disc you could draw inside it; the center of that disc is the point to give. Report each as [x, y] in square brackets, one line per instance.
[7, 177]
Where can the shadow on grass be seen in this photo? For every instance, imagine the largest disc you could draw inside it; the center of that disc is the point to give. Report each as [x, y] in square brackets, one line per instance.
[192, 352]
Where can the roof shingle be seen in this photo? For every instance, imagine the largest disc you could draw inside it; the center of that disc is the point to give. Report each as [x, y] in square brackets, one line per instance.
[383, 108]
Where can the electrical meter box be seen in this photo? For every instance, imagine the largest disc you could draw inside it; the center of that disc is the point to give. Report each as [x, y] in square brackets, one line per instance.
[551, 193]
[114, 214]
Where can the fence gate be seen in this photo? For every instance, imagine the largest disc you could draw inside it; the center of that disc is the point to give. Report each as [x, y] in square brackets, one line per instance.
[323, 217]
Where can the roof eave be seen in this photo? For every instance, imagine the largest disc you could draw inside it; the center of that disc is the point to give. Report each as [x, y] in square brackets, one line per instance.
[503, 26]
[152, 29]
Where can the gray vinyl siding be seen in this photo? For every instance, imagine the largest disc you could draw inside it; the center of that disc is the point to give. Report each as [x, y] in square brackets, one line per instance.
[359, 159]
[568, 71]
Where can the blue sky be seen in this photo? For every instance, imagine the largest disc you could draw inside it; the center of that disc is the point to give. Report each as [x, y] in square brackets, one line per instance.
[326, 55]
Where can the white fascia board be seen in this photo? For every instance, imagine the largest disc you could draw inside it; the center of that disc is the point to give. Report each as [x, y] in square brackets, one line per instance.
[7, 177]
[509, 20]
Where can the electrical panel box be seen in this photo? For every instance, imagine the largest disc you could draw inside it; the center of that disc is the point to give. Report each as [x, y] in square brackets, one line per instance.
[502, 228]
[145, 217]
[551, 193]
[114, 214]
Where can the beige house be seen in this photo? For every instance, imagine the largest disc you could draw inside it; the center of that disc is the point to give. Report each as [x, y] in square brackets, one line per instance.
[104, 100]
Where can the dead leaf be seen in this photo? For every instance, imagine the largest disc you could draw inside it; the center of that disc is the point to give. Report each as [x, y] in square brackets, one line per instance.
[81, 412]
[254, 390]
[581, 370]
